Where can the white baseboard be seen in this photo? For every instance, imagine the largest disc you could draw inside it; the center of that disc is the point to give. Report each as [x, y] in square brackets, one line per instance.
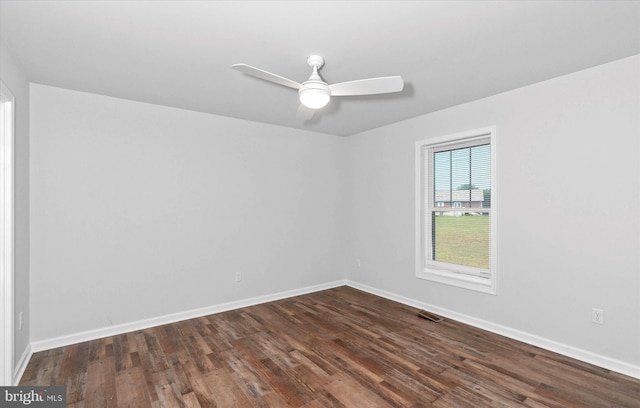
[547, 344]
[74, 338]
[22, 364]
[570, 351]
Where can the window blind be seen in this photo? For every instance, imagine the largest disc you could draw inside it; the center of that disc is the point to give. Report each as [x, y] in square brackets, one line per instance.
[458, 205]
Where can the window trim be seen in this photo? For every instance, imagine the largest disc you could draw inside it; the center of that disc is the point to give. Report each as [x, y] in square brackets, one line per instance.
[442, 272]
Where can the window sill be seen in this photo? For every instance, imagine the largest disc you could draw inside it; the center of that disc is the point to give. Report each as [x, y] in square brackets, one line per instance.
[475, 283]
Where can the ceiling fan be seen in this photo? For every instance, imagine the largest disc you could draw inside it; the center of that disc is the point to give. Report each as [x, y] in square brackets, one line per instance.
[315, 93]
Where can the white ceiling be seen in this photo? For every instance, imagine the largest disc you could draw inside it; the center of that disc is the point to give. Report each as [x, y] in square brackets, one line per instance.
[179, 53]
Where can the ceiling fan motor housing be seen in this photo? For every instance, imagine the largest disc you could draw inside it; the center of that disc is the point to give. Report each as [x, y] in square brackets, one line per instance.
[314, 93]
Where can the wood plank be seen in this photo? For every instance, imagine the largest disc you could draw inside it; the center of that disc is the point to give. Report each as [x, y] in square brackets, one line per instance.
[100, 389]
[352, 394]
[131, 388]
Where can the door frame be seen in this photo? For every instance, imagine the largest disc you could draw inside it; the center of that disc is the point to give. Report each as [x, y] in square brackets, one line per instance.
[7, 131]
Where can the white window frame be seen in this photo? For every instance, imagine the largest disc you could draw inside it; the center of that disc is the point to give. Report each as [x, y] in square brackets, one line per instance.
[450, 274]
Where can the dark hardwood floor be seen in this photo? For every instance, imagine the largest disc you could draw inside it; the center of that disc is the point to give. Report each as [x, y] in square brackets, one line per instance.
[335, 348]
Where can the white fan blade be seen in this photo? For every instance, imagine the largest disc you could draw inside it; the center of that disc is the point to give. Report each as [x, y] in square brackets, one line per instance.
[368, 86]
[267, 76]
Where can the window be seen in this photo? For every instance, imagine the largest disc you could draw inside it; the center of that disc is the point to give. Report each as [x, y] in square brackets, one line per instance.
[456, 214]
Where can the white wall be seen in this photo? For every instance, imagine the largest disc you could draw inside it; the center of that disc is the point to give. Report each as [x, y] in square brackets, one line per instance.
[140, 211]
[568, 185]
[12, 75]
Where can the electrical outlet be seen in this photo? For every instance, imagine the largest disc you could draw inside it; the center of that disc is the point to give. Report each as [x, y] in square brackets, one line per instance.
[358, 262]
[597, 316]
[238, 276]
[20, 320]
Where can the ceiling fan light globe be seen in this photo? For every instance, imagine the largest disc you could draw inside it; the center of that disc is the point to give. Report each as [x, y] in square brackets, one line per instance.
[314, 98]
